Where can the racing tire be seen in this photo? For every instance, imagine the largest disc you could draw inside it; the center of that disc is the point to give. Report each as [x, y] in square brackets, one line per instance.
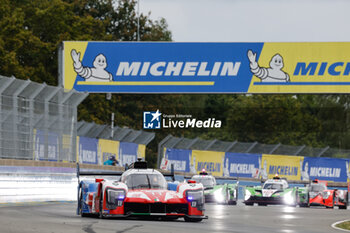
[304, 205]
[230, 202]
[227, 201]
[344, 207]
[188, 219]
[251, 203]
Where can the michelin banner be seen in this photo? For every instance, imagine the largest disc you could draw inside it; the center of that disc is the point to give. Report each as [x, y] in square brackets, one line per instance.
[39, 146]
[242, 165]
[179, 157]
[128, 153]
[283, 165]
[107, 148]
[141, 151]
[87, 150]
[169, 67]
[211, 161]
[331, 169]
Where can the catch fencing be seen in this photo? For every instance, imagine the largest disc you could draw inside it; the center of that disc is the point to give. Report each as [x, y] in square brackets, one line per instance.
[39, 122]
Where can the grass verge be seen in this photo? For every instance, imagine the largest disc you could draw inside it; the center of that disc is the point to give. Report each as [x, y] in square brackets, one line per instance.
[344, 225]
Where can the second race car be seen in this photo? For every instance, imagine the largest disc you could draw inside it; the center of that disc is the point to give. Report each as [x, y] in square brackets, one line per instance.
[273, 191]
[217, 193]
[317, 194]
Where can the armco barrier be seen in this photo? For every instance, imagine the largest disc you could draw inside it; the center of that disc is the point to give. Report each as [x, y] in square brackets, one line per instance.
[26, 187]
[32, 181]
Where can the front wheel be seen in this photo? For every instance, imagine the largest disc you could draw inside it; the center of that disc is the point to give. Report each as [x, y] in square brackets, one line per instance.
[81, 206]
[249, 203]
[189, 219]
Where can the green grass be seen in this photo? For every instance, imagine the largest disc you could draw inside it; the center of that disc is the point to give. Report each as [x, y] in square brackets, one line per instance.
[344, 225]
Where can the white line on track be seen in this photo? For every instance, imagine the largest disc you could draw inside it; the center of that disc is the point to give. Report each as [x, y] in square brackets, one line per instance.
[338, 228]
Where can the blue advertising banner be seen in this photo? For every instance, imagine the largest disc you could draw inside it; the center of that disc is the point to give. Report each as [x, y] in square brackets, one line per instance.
[179, 157]
[170, 67]
[127, 153]
[88, 150]
[332, 169]
[241, 165]
[153, 67]
[39, 146]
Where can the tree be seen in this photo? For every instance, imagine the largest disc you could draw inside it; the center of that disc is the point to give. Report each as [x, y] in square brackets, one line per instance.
[31, 31]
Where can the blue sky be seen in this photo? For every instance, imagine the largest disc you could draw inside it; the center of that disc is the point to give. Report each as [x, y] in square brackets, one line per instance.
[253, 20]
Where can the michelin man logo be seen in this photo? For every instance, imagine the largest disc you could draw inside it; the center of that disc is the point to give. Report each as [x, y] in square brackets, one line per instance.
[151, 120]
[304, 173]
[272, 74]
[95, 74]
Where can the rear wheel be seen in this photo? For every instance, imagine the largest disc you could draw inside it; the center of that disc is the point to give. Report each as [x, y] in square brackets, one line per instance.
[249, 203]
[188, 219]
[232, 202]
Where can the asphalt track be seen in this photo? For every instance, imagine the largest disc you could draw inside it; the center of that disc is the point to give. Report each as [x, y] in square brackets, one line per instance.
[60, 217]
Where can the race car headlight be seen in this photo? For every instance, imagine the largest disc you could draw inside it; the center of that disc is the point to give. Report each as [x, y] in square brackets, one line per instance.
[247, 195]
[326, 194]
[219, 197]
[288, 198]
[115, 196]
[194, 195]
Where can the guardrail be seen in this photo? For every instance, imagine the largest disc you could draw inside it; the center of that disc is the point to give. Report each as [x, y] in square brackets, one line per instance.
[26, 187]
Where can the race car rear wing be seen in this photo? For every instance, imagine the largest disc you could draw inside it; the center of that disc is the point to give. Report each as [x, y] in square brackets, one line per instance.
[117, 173]
[97, 173]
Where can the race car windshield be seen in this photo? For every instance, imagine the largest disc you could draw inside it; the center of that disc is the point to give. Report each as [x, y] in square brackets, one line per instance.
[273, 186]
[317, 188]
[145, 181]
[206, 182]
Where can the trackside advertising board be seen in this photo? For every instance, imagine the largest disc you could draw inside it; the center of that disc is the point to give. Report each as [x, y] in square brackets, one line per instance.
[169, 67]
[87, 150]
[180, 158]
[259, 166]
[242, 165]
[39, 146]
[128, 153]
[332, 169]
[211, 161]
